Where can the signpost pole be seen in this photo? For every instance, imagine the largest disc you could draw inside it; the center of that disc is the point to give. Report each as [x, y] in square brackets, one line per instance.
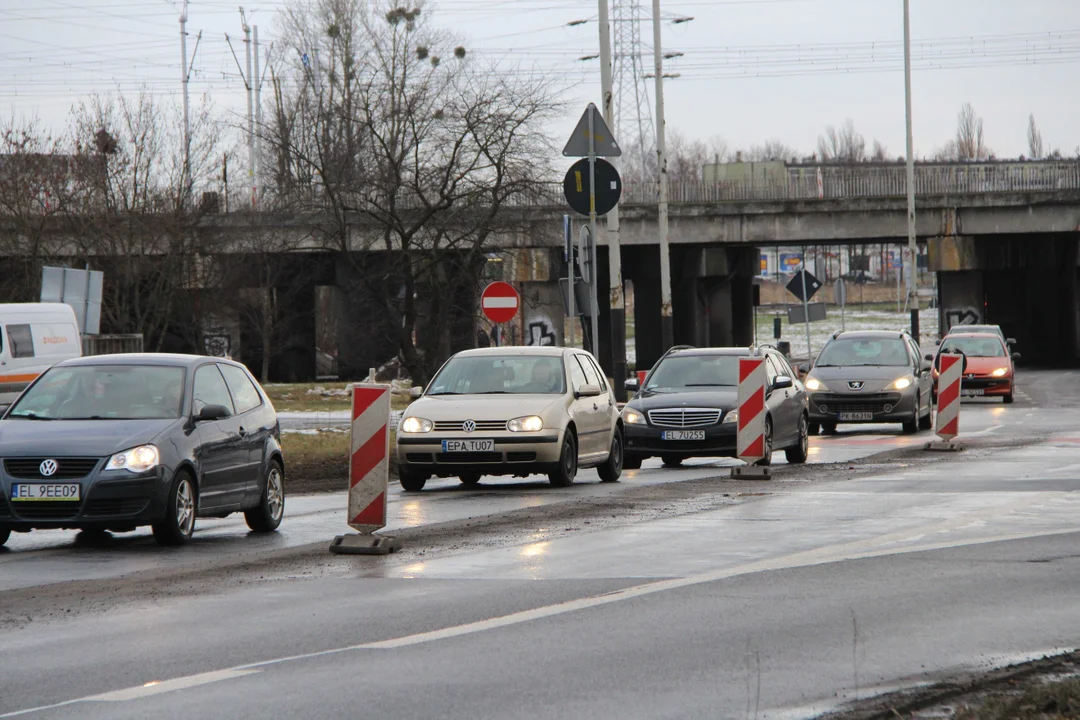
[592, 232]
[913, 296]
[806, 312]
[568, 234]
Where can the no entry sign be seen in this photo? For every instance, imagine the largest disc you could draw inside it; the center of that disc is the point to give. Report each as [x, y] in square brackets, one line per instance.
[500, 302]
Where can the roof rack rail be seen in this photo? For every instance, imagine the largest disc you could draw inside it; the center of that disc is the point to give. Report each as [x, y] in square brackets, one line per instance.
[837, 334]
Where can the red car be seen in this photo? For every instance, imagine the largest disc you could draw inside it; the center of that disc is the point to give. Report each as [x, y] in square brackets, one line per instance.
[989, 367]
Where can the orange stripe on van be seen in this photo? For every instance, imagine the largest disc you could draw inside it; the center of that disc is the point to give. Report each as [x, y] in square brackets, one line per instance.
[29, 377]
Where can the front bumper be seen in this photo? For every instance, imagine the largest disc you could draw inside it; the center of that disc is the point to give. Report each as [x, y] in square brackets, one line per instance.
[991, 386]
[648, 441]
[880, 407]
[113, 501]
[514, 454]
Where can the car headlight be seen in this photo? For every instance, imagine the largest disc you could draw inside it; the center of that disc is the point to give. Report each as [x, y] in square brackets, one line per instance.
[900, 383]
[1000, 372]
[732, 416]
[136, 460]
[530, 423]
[815, 384]
[416, 425]
[633, 417]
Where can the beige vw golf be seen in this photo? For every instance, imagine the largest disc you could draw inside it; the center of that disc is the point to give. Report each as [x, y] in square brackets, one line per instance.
[512, 411]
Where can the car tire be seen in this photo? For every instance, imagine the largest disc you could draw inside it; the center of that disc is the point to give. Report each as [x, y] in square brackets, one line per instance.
[5, 533]
[671, 461]
[926, 422]
[813, 428]
[632, 461]
[767, 450]
[266, 516]
[469, 479]
[829, 428]
[411, 481]
[798, 453]
[610, 471]
[912, 426]
[563, 475]
[181, 507]
[1008, 399]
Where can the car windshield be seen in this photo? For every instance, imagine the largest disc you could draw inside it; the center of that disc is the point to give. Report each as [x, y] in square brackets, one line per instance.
[689, 371]
[973, 346]
[857, 352]
[106, 392]
[499, 375]
[993, 329]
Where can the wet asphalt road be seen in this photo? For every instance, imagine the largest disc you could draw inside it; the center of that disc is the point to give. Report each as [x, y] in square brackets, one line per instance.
[776, 606]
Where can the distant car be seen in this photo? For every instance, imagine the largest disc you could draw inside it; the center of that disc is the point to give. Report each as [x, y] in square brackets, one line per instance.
[993, 329]
[512, 411]
[988, 364]
[114, 442]
[870, 377]
[688, 408]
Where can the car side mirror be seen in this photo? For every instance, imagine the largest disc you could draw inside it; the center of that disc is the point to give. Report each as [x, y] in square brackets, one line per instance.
[929, 357]
[804, 368]
[1010, 341]
[589, 391]
[1016, 356]
[782, 382]
[927, 364]
[631, 385]
[416, 391]
[212, 412]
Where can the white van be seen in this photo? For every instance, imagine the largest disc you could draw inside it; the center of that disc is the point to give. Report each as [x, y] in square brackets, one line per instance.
[34, 337]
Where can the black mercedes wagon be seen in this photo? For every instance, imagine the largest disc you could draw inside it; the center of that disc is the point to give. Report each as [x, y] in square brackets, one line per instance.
[115, 442]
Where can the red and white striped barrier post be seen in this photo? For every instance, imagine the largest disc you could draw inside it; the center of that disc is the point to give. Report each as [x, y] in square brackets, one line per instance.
[750, 433]
[947, 425]
[369, 472]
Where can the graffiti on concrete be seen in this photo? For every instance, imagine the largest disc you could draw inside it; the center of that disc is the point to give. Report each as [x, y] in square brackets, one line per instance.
[962, 316]
[540, 331]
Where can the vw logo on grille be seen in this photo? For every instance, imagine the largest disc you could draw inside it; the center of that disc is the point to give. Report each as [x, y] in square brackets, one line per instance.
[468, 425]
[48, 468]
[857, 385]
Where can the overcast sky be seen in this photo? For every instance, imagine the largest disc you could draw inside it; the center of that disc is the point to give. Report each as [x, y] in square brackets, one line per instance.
[751, 70]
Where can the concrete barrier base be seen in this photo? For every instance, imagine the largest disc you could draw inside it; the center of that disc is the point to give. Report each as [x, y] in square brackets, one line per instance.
[944, 446]
[356, 544]
[752, 472]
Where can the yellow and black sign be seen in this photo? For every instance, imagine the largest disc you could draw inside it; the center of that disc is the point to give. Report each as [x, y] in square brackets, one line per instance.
[608, 186]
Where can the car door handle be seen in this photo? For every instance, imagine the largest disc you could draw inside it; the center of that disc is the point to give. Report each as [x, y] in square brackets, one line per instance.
[243, 432]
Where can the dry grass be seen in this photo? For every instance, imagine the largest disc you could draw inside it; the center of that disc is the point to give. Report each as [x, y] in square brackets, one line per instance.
[318, 397]
[1049, 701]
[319, 462]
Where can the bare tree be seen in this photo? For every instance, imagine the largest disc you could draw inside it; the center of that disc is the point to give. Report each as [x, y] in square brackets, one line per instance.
[880, 153]
[417, 150]
[774, 150]
[686, 159]
[1035, 140]
[969, 142]
[843, 145]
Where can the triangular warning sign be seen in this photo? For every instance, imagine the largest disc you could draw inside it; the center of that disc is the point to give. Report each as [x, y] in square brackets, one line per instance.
[604, 144]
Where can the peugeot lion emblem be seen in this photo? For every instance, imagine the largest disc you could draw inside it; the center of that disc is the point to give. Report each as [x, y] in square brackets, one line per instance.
[48, 468]
[468, 425]
[857, 385]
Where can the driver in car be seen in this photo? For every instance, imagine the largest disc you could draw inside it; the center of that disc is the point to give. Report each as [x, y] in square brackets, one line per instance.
[87, 398]
[543, 378]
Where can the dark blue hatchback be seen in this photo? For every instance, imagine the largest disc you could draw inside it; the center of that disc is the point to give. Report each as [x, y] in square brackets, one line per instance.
[114, 442]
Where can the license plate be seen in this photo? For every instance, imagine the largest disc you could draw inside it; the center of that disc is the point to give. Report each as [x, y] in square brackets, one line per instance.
[45, 492]
[972, 393]
[855, 416]
[683, 435]
[450, 446]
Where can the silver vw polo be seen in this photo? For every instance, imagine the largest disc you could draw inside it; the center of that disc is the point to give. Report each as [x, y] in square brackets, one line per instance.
[512, 411]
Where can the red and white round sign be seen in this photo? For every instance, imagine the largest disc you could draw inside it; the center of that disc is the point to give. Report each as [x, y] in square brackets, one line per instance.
[500, 302]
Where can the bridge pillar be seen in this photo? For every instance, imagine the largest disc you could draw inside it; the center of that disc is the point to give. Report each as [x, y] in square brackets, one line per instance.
[714, 297]
[365, 332]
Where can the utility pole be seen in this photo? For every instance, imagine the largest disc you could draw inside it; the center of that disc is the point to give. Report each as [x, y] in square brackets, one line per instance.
[256, 80]
[617, 301]
[185, 76]
[913, 295]
[249, 85]
[666, 322]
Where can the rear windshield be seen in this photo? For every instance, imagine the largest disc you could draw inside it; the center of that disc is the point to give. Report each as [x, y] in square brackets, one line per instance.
[694, 371]
[105, 392]
[856, 352]
[500, 375]
[973, 347]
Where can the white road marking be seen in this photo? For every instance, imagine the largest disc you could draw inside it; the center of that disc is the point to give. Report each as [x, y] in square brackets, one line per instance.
[984, 431]
[881, 546]
[1064, 468]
